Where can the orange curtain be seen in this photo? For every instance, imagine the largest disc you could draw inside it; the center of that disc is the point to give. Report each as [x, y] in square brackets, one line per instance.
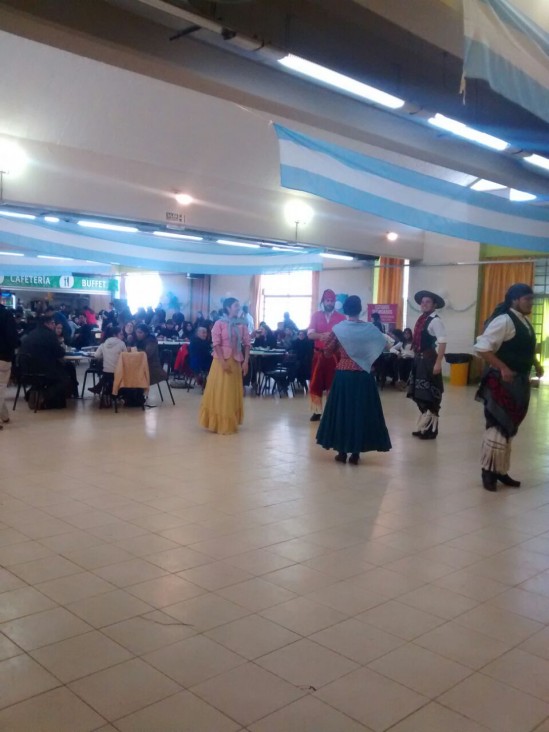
[390, 283]
[315, 292]
[255, 298]
[495, 281]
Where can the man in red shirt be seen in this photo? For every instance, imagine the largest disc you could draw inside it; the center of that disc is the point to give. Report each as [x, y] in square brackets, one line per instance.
[323, 368]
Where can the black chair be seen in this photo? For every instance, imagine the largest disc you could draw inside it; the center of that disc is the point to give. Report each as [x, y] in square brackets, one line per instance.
[167, 358]
[160, 390]
[94, 369]
[31, 379]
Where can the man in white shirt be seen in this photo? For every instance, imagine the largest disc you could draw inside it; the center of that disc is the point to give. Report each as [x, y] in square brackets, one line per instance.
[247, 316]
[429, 344]
[508, 345]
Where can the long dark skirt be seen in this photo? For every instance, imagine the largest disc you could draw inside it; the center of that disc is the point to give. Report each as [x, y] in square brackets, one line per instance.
[424, 387]
[353, 418]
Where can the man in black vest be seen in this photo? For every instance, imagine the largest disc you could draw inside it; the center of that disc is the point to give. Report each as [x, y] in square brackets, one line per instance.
[508, 345]
[8, 343]
[42, 347]
[429, 346]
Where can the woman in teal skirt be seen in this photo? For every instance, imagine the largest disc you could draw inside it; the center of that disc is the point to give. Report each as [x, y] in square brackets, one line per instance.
[353, 420]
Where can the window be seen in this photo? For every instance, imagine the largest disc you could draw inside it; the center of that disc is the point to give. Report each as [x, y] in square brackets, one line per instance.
[143, 290]
[290, 292]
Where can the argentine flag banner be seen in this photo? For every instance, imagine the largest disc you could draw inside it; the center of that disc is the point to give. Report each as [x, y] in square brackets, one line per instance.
[401, 194]
[507, 45]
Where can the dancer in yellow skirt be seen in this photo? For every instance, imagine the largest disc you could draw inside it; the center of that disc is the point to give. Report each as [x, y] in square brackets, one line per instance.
[222, 407]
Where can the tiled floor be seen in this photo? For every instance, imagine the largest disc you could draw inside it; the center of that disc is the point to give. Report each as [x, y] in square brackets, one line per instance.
[158, 578]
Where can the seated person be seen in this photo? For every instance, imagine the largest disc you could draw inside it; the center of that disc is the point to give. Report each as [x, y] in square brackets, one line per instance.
[280, 332]
[406, 356]
[287, 342]
[45, 356]
[200, 352]
[148, 343]
[264, 337]
[109, 353]
[303, 349]
[187, 330]
[168, 330]
[128, 334]
[83, 336]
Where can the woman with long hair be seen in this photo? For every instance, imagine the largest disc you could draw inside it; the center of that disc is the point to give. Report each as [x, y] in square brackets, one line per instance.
[222, 407]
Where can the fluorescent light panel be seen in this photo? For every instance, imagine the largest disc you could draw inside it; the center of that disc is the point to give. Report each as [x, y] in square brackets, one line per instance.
[468, 133]
[344, 257]
[340, 81]
[51, 219]
[50, 256]
[108, 227]
[229, 243]
[515, 195]
[169, 235]
[17, 215]
[538, 160]
[287, 249]
[11, 254]
[486, 185]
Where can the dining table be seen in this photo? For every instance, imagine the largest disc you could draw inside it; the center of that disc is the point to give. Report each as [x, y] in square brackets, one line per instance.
[260, 360]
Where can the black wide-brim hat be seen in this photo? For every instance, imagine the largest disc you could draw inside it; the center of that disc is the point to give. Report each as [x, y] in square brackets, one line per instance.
[437, 299]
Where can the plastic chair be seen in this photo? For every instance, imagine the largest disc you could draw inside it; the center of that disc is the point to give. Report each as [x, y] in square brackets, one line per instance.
[29, 377]
[95, 369]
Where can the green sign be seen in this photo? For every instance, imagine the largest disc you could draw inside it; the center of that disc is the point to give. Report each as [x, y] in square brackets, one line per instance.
[91, 283]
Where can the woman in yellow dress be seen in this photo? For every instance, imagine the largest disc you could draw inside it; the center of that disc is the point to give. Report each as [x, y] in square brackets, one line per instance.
[222, 407]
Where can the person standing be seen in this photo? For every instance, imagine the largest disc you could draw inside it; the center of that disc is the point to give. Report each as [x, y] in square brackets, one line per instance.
[508, 345]
[429, 345]
[323, 369]
[247, 316]
[222, 407]
[8, 344]
[353, 420]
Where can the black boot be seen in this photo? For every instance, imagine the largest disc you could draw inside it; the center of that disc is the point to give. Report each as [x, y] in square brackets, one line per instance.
[315, 417]
[489, 480]
[428, 435]
[355, 457]
[508, 481]
[341, 457]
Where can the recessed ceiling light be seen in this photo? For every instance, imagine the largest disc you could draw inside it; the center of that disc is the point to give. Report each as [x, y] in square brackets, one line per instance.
[184, 199]
[51, 219]
[392, 236]
[50, 256]
[108, 227]
[298, 212]
[340, 81]
[17, 215]
[12, 157]
[515, 195]
[12, 254]
[486, 185]
[538, 160]
[468, 133]
[344, 257]
[229, 243]
[169, 235]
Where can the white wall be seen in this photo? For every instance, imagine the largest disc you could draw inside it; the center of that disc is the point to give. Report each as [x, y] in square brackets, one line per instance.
[456, 283]
[179, 286]
[223, 286]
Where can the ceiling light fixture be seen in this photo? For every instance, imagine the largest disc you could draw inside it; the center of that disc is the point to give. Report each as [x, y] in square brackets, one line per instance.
[12, 254]
[50, 256]
[108, 227]
[468, 133]
[12, 158]
[538, 160]
[486, 185]
[229, 243]
[288, 249]
[51, 219]
[340, 81]
[17, 215]
[169, 235]
[392, 236]
[184, 199]
[344, 257]
[515, 195]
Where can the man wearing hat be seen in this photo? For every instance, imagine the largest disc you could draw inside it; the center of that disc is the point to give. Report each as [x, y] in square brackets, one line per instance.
[508, 345]
[323, 368]
[429, 346]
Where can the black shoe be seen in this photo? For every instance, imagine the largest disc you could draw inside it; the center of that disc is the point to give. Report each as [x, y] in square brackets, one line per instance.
[489, 480]
[355, 457]
[315, 417]
[508, 481]
[428, 435]
[95, 389]
[417, 434]
[341, 457]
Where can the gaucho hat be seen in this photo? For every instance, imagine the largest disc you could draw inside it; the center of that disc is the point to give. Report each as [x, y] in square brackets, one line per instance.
[437, 299]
